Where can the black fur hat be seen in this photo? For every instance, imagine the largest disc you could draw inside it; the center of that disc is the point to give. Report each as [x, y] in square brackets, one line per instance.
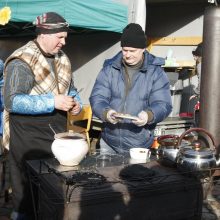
[50, 23]
[198, 51]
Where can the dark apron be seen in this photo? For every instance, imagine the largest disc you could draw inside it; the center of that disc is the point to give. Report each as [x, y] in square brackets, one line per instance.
[30, 138]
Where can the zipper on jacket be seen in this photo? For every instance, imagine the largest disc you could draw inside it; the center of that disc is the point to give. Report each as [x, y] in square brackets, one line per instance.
[127, 87]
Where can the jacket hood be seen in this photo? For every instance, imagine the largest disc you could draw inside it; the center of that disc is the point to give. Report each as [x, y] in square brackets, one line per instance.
[149, 59]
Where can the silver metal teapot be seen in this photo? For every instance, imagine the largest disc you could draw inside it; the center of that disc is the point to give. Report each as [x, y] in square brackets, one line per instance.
[196, 158]
[168, 149]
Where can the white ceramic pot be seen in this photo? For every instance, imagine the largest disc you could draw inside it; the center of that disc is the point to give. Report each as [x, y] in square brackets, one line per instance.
[69, 148]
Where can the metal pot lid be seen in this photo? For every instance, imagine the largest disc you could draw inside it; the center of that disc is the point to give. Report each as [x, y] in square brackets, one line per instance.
[202, 152]
[168, 142]
[69, 135]
[174, 146]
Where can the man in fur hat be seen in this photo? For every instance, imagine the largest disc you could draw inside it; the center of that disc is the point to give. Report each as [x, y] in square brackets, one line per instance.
[38, 92]
[197, 54]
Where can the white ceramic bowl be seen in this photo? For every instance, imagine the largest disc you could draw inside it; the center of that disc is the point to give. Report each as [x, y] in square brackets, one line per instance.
[140, 153]
[68, 150]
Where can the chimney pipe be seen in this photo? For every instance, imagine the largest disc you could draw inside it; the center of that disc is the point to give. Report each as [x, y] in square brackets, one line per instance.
[210, 77]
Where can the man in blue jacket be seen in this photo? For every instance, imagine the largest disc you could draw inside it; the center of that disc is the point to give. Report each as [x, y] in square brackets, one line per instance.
[133, 83]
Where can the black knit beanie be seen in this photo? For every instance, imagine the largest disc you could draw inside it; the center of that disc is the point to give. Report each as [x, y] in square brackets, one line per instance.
[133, 36]
[50, 23]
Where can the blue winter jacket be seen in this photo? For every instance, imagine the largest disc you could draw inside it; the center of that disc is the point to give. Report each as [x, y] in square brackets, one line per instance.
[150, 90]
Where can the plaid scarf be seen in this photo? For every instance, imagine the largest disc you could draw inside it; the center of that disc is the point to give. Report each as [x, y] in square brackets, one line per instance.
[44, 82]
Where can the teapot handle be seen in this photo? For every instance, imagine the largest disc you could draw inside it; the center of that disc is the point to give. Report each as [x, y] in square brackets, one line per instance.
[160, 138]
[175, 138]
[196, 129]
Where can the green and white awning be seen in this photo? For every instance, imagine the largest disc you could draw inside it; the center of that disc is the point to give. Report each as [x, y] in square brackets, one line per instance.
[108, 15]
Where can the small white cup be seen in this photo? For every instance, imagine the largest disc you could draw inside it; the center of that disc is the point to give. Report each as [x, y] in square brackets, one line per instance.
[140, 153]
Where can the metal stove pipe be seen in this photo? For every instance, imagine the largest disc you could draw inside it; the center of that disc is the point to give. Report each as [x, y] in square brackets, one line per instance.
[210, 76]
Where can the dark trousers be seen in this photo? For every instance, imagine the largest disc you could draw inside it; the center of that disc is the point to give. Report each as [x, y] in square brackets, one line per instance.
[196, 118]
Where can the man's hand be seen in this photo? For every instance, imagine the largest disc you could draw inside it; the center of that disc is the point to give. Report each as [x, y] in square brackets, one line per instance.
[64, 102]
[76, 108]
[192, 97]
[111, 116]
[142, 119]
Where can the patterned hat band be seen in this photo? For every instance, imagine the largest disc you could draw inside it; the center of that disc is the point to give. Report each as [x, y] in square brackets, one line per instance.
[51, 22]
[52, 26]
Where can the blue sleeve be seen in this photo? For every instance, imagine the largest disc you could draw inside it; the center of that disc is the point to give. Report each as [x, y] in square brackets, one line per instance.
[19, 81]
[33, 104]
[101, 93]
[160, 98]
